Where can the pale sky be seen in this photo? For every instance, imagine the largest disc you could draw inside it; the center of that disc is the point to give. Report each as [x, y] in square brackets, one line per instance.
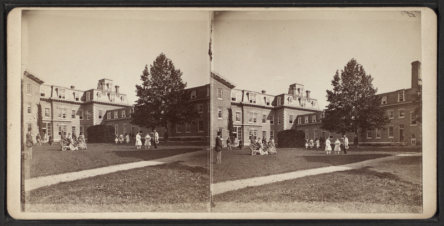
[80, 47]
[271, 50]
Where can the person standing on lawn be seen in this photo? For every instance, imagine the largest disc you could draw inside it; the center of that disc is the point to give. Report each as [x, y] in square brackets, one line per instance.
[138, 140]
[156, 139]
[337, 146]
[218, 148]
[38, 138]
[82, 142]
[328, 146]
[271, 147]
[63, 134]
[345, 144]
[117, 139]
[29, 143]
[50, 140]
[229, 143]
[147, 141]
[127, 138]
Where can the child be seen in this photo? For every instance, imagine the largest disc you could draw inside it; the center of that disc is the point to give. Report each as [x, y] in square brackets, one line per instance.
[328, 146]
[337, 146]
[311, 143]
[138, 140]
[117, 139]
[306, 143]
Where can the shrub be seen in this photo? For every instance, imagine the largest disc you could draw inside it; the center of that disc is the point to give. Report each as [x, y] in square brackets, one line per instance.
[291, 139]
[101, 134]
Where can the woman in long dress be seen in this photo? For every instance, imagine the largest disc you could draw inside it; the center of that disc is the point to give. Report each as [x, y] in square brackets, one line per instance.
[271, 147]
[337, 146]
[72, 144]
[261, 147]
[318, 143]
[147, 141]
[127, 138]
[138, 140]
[82, 142]
[328, 146]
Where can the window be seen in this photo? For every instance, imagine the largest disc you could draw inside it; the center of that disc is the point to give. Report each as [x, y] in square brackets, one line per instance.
[178, 128]
[384, 100]
[100, 113]
[254, 117]
[412, 119]
[81, 129]
[116, 129]
[264, 118]
[369, 134]
[391, 132]
[88, 96]
[291, 119]
[28, 89]
[264, 134]
[401, 113]
[306, 119]
[313, 118]
[193, 94]
[239, 96]
[252, 97]
[219, 94]
[113, 97]
[116, 114]
[267, 100]
[253, 133]
[413, 139]
[124, 128]
[73, 129]
[401, 96]
[73, 113]
[63, 112]
[29, 109]
[233, 96]
[271, 134]
[47, 115]
[278, 101]
[187, 128]
[88, 115]
[315, 134]
[238, 116]
[123, 114]
[307, 134]
[200, 126]
[76, 96]
[42, 91]
[279, 120]
[81, 115]
[62, 128]
[290, 99]
[378, 133]
[313, 103]
[271, 120]
[219, 112]
[300, 120]
[391, 114]
[200, 108]
[131, 110]
[108, 115]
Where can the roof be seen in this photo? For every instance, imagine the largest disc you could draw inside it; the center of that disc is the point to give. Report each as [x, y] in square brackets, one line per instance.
[222, 80]
[33, 77]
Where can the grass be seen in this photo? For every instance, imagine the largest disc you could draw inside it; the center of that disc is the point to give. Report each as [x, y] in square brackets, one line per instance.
[239, 164]
[382, 188]
[174, 187]
[50, 160]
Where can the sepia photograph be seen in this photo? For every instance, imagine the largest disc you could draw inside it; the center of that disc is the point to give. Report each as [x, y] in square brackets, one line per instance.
[220, 113]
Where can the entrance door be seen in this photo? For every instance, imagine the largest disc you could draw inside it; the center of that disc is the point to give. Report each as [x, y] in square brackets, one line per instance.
[401, 133]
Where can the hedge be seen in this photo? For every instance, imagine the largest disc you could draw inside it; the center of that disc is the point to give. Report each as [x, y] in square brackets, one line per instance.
[101, 134]
[291, 139]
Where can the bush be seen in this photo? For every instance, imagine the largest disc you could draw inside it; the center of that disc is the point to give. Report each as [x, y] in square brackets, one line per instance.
[291, 139]
[101, 134]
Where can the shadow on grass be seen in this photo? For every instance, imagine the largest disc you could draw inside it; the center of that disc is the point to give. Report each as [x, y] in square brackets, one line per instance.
[179, 166]
[367, 171]
[410, 160]
[343, 159]
[150, 154]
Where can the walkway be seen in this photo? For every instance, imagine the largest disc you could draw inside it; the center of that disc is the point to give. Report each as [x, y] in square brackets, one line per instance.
[227, 186]
[34, 183]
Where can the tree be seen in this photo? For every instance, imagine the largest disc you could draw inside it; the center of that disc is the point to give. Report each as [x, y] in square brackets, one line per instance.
[417, 101]
[353, 104]
[40, 119]
[162, 97]
[230, 123]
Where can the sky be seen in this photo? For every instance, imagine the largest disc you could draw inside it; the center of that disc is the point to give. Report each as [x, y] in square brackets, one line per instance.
[258, 50]
[69, 47]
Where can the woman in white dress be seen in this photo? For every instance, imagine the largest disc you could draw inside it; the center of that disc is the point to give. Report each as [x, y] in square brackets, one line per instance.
[138, 140]
[127, 138]
[82, 142]
[318, 143]
[147, 141]
[271, 147]
[328, 145]
[117, 139]
[337, 146]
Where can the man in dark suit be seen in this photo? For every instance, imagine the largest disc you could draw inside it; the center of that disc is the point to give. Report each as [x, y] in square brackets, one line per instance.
[219, 148]
[29, 143]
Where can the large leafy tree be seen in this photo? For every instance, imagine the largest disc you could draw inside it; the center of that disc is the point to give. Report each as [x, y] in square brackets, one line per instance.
[163, 98]
[353, 104]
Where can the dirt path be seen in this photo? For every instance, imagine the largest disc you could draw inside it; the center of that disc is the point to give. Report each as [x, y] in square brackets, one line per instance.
[227, 186]
[34, 183]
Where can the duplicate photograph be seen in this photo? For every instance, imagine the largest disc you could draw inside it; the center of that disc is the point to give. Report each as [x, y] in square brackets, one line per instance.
[317, 111]
[115, 114]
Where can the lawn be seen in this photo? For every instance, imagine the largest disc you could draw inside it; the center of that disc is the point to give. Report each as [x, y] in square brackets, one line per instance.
[239, 164]
[50, 160]
[384, 187]
[173, 187]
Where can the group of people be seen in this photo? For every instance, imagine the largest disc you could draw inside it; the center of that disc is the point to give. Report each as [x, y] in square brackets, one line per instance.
[340, 145]
[74, 143]
[122, 138]
[46, 138]
[150, 140]
[311, 143]
[260, 146]
[232, 142]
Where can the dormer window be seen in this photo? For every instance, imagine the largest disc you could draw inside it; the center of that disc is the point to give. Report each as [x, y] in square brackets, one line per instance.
[99, 94]
[123, 114]
[233, 96]
[290, 99]
[313, 103]
[42, 91]
[384, 100]
[62, 94]
[313, 118]
[267, 101]
[193, 94]
[252, 98]
[113, 97]
[122, 98]
[278, 101]
[401, 96]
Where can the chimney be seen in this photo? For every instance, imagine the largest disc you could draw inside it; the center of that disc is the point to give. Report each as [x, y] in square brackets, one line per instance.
[308, 94]
[73, 87]
[263, 91]
[117, 89]
[416, 73]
